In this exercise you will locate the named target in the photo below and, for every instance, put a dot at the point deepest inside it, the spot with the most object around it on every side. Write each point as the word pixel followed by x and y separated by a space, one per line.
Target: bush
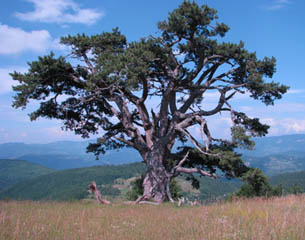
pixel 295 189
pixel 257 185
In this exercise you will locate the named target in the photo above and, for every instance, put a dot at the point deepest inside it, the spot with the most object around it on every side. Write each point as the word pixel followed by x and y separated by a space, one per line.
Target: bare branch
pixel 204 133
pixel 183 159
pixel 123 140
pixel 196 170
pixel 209 72
pixel 224 75
pixel 198 146
pixel 126 119
pixel 93 188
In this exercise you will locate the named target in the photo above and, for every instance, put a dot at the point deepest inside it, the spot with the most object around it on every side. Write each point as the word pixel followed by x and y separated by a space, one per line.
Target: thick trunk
pixel 157 180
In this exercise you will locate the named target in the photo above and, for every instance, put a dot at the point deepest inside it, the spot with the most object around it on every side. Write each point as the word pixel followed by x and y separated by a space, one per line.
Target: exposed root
pixel 149 202
pixel 141 198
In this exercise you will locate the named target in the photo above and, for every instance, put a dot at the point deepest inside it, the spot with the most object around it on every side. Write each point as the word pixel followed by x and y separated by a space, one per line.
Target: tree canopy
pixel 106 86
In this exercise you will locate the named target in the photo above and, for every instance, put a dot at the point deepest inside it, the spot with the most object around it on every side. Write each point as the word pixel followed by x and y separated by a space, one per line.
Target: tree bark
pixel 157 179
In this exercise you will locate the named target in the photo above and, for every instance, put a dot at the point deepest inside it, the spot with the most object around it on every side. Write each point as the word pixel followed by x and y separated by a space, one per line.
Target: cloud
pixel 60 11
pixel 6 81
pixel 296 91
pixel 285 125
pixel 55 133
pixel 278 4
pixel 293 125
pixel 16 40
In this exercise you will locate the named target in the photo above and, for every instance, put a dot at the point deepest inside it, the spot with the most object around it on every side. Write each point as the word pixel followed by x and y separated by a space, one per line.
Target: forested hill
pixel 13 171
pixel 113 182
pixel 288 180
pixel 73 183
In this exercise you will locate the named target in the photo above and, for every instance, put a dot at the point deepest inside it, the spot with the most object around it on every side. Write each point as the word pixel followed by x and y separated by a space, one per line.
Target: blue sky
pixel 32 28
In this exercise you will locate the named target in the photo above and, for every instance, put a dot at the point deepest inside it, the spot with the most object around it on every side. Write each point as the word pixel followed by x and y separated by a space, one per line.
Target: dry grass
pixel 277 218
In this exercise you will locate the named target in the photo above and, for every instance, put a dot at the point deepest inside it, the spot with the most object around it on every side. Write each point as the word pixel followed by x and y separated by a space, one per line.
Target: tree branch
pixel 198 146
pixel 87 61
pixel 123 140
pixel 195 170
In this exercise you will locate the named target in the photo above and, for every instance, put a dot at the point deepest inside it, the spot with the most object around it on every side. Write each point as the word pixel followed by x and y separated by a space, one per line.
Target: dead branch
pixel 97 193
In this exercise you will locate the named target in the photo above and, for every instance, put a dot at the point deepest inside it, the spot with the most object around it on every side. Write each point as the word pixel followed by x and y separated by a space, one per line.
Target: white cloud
pixel 60 11
pixel 16 40
pixel 284 126
pixel 296 91
pixel 6 81
pixel 54 133
pixel 293 125
pixel 278 4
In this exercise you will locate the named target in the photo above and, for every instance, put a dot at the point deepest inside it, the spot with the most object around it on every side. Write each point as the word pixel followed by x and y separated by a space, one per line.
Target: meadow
pixel 274 218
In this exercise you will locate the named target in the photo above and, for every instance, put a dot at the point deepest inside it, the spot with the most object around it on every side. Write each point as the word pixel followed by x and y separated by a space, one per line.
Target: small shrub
pixel 257 186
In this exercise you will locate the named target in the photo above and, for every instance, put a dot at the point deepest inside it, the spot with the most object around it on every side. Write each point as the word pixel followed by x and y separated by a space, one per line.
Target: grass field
pixel 277 218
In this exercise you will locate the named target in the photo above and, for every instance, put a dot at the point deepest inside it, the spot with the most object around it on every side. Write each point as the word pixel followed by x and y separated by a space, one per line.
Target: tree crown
pixel 110 88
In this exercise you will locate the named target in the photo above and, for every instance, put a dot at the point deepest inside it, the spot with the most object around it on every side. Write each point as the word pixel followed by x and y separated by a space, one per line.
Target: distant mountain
pixel 13 171
pixel 292 144
pixel 274 155
pixel 65 154
pixel 278 163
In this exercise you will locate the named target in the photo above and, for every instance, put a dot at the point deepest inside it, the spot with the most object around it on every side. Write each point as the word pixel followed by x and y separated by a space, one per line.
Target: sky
pixel 32 28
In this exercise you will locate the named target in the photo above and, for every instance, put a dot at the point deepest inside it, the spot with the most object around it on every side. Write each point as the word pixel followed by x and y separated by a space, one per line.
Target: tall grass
pixel 277 218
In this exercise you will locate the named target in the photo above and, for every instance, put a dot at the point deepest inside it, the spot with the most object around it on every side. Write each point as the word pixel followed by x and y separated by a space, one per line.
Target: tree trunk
pixel 157 180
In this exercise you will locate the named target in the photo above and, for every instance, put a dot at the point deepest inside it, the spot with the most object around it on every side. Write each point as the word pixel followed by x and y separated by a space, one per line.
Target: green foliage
pixel 175 189
pixel 115 63
pixel 295 189
pixel 136 189
pixel 257 185
pixel 223 157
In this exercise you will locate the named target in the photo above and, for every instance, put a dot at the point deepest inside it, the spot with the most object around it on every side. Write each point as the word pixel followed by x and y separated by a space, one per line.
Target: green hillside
pixel 13 171
pixel 287 180
pixel 113 182
pixel 277 164
pixel 73 183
